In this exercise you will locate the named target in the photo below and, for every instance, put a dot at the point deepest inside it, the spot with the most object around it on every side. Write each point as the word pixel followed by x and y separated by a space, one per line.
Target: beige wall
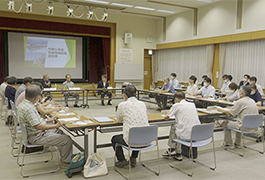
pixel 215 20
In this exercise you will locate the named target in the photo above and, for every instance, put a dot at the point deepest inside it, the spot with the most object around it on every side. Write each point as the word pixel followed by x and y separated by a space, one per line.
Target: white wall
pixel 215 20
pixel 139 26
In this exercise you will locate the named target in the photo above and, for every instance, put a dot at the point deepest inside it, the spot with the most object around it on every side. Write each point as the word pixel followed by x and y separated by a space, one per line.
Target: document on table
pixel 82 122
pixel 66 114
pixel 103 119
pixel 209 111
pixel 69 119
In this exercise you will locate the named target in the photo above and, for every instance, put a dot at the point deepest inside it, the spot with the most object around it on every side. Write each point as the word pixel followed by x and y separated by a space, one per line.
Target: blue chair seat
pixel 139 148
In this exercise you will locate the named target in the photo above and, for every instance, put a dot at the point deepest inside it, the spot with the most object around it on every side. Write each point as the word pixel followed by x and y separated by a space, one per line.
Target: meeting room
pixel 135 89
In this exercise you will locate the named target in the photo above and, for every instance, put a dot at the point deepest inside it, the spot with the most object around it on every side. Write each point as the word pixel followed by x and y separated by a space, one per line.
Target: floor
pixel 229 165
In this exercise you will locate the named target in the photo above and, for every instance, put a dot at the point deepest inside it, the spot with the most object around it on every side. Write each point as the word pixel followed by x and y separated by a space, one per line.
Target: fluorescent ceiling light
pixel 98 1
pixel 145 8
pixel 165 11
pixel 123 5
pixel 205 1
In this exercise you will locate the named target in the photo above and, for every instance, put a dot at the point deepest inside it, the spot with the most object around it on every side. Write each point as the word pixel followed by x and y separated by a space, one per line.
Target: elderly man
pixel 186 117
pixel 26 82
pixel 46 83
pixel 67 85
pixel 132 113
pixel 244 106
pixel 38 131
pixel 167 88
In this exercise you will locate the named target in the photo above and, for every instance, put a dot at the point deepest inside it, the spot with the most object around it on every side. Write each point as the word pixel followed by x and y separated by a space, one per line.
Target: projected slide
pixel 49 52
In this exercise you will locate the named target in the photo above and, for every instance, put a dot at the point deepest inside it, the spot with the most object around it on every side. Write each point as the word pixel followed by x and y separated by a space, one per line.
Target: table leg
pixel 95 140
pixel 86 143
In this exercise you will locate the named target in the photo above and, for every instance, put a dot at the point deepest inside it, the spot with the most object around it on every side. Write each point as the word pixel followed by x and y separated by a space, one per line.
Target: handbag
pixel 95 165
pixel 77 161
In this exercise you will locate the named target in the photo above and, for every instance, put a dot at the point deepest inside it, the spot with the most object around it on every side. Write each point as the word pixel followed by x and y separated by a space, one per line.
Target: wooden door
pixel 147 72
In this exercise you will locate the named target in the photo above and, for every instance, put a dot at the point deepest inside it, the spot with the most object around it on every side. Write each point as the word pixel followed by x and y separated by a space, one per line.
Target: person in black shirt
pixel 104 84
pixel 10 91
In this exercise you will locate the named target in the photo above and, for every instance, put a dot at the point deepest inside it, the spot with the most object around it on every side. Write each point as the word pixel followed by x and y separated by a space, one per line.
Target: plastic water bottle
pixel 151 88
pixel 55 86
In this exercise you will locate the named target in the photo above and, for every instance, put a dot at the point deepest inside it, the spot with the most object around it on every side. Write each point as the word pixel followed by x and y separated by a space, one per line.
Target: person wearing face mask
pixel 167 88
pixel 207 90
pixel 255 95
pixel 244 81
pixel 233 94
pixel 203 77
pixel 227 81
pixel 192 88
pixel 174 81
pixel 186 117
pixel 39 131
pixel 244 106
pixel 253 80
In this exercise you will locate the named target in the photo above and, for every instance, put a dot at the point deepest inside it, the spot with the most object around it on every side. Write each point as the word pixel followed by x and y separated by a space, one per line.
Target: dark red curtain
pixel 95 59
pixel 106 56
pixel 2 60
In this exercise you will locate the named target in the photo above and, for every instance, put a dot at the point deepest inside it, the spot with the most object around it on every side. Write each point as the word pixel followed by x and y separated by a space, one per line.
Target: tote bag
pixel 95 165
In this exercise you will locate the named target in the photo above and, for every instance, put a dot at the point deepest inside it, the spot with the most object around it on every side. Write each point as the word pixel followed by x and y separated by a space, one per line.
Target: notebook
pixel 103 119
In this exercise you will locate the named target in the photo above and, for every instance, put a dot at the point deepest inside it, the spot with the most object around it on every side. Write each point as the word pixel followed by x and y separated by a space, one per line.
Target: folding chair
pixel 199 137
pixel 139 136
pixel 25 144
pixel 250 122
pixel 4 108
pixel 15 130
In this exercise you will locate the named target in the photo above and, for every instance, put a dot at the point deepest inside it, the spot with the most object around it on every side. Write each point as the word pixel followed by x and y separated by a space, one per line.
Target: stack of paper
pixel 209 111
pixel 69 119
pixel 82 122
pixel 103 119
pixel 75 88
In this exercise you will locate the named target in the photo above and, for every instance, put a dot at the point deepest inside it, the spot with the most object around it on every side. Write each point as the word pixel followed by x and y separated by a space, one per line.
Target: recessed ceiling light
pixel 145 8
pixel 208 1
pixel 123 5
pixel 165 11
pixel 98 1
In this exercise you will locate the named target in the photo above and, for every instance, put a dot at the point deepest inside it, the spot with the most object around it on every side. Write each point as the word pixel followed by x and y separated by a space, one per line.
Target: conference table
pixel 77 130
pixel 101 89
pixel 60 91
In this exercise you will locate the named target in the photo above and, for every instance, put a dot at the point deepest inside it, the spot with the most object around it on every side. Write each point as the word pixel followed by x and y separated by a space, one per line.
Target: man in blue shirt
pixel 255 95
pixel 167 88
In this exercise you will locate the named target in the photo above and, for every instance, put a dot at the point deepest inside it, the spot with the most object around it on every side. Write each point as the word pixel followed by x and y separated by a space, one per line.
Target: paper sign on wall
pixel 125 56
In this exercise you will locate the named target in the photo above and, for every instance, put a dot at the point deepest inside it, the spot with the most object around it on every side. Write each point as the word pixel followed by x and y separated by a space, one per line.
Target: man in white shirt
pixel 207 90
pixel 227 81
pixel 244 106
pixel 174 81
pixel 186 117
pixel 253 80
pixel 132 113
pixel 3 86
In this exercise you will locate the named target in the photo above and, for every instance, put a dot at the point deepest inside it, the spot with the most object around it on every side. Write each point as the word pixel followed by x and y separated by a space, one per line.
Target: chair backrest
pixel 14 113
pixel 24 135
pixel 202 132
pixel 142 135
pixel 252 121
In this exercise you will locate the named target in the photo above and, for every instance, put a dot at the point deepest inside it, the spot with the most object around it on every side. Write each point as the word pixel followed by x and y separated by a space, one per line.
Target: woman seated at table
pixel 255 95
pixel 233 94
pixel 192 89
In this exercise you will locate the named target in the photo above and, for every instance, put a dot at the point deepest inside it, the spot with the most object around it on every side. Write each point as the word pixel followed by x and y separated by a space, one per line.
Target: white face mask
pixel 171 77
pixel 165 83
pixel 251 82
pixel 205 84
pixel 225 81
pixel 252 92
pixel 244 79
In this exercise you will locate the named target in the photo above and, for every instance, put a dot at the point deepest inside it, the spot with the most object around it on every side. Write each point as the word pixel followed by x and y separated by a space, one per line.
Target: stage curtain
pixel 2 61
pixel 106 56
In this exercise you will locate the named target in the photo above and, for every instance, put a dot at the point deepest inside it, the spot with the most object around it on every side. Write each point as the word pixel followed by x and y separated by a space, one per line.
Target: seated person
pixel 46 83
pixel 244 81
pixel 207 90
pixel 38 131
pixel 174 81
pixel 132 113
pixel 10 90
pixel 186 117
pixel 167 88
pixel 3 86
pixel 104 84
pixel 26 81
pixel 233 94
pixel 255 95
pixel 244 106
pixel 227 81
pixel 66 85
pixel 203 77
pixel 192 88
pixel 42 103
pixel 253 80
